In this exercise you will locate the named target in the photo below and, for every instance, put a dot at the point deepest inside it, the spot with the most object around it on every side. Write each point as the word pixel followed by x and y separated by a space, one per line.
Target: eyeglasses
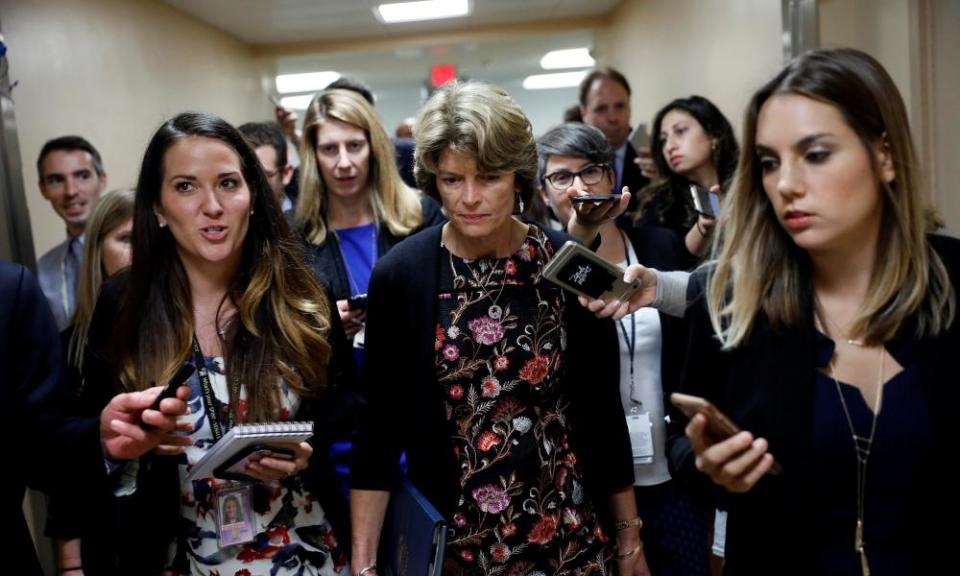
pixel 590 174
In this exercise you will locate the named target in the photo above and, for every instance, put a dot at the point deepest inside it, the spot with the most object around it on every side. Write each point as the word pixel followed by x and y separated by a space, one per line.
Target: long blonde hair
pixel 393 203
pixel 113 209
pixel 757 266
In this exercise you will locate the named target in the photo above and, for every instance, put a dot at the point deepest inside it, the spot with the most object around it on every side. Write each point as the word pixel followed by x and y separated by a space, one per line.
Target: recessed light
pixel 423 10
pixel 296 102
pixel 571 58
pixel 307 82
pixel 554 80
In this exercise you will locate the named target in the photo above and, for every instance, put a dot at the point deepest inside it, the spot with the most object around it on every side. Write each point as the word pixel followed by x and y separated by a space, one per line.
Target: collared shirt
pixel 58 278
pixel 618 157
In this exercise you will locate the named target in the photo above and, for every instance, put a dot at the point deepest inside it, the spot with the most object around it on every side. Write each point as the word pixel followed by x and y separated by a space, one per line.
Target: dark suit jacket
pixel 130 535
pixel 766 387
pixel 46 448
pixel 632 176
pixel 405 404
pixel 326 260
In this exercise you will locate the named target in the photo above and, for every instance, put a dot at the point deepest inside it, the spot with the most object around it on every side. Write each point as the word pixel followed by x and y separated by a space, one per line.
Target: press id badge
pixel 641 437
pixel 234 514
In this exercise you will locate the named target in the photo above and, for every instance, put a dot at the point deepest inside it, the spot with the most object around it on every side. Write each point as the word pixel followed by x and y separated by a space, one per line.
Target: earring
pixel 520 201
pixel 713 145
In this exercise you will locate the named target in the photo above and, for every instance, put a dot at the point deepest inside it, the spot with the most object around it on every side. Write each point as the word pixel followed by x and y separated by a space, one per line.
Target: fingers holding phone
pixel 737 463
pixel 352 318
pixel 618 309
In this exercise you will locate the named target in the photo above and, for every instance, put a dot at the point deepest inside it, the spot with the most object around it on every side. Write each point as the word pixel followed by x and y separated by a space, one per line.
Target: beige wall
pixel 945 109
pixel 112 71
pixel 674 48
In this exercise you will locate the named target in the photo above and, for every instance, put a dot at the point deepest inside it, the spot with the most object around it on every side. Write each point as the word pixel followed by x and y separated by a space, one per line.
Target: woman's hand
pixel 641 298
pixel 270 468
pixel 697 238
pixel 629 556
pixel 352 319
pixel 122 433
pixel 737 463
pixel 287 119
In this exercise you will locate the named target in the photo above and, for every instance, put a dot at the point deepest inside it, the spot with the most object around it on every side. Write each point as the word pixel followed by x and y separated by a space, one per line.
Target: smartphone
pixel 582 272
pixel 705 202
pixel 719 426
pixel 584 198
pixel 358 302
pixel 170 390
pixel 640 138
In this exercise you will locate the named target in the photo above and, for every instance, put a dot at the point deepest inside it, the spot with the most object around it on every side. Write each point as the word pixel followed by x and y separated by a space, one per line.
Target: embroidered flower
pixel 505 409
pixel 453 331
pixel 491 498
pixel 438 340
pixel 451 352
pixel 500 363
pixel 510 268
pixel 486 330
pixel 488 440
pixel 543 531
pixel 535 370
pixel 459 520
pixel 572 518
pixel 466 555
pixel 508 530
pixel 522 424
pixel 456 392
pixel 490 386
pixel 570 459
pixel 598 532
pixel 559 479
pixel 500 552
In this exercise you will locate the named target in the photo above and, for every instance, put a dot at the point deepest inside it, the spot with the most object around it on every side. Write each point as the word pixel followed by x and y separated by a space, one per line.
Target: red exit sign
pixel 440 74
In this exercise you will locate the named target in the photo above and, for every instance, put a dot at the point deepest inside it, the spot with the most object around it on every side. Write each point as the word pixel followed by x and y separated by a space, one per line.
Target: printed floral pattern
pixel 293 534
pixel 522 508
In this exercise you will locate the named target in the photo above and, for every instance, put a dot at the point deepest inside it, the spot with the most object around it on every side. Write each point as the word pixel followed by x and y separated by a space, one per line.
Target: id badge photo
pixel 234 514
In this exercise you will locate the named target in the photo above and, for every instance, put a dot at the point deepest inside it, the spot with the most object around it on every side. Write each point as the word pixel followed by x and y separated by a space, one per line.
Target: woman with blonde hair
pixel 353 207
pixel 501 390
pixel 827 332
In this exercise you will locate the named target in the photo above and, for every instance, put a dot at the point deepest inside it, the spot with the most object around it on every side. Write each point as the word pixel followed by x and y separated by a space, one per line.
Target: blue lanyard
pixel 631 339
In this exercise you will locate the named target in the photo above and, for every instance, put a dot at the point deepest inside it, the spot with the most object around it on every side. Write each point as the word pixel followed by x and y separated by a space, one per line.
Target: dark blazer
pixel 46 447
pixel 766 386
pixel 632 176
pixel 326 260
pixel 130 535
pixel 405 404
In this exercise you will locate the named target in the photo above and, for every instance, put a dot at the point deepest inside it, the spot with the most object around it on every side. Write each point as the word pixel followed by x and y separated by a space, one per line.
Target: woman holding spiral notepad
pixel 217 282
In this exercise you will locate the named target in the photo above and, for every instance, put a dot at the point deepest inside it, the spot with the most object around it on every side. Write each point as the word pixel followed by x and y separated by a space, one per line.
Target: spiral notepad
pixel 244 436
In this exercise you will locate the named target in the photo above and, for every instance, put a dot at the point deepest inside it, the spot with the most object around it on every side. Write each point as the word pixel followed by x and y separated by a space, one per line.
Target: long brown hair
pixel 283 312
pixel 758 267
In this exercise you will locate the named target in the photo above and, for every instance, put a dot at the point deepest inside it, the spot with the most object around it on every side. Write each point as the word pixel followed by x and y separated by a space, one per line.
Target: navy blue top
pixel 359 248
pixel 897 468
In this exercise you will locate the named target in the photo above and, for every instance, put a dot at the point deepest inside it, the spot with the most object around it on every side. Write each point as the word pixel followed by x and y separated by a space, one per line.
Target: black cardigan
pixel 326 260
pixel 130 535
pixel 766 386
pixel 405 404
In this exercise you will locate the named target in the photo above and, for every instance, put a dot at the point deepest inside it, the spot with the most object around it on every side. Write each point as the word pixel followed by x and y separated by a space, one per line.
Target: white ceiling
pixel 258 22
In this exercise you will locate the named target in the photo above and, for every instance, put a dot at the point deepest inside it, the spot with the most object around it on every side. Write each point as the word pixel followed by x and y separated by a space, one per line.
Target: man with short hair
pixel 270 146
pixel 71 179
pixel 605 104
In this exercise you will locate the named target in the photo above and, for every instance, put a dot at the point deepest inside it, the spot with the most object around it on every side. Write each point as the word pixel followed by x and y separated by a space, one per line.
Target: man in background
pixel 270 146
pixel 605 104
pixel 71 179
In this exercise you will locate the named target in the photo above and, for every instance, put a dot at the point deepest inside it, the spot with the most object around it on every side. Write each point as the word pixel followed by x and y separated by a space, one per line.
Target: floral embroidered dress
pixel 500 357
pixel 293 535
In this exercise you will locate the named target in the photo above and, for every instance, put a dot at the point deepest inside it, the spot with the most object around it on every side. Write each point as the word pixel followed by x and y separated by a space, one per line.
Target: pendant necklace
pixel 862 446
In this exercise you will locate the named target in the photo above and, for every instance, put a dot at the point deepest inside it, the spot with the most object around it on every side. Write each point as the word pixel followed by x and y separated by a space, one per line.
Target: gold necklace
pixel 862 446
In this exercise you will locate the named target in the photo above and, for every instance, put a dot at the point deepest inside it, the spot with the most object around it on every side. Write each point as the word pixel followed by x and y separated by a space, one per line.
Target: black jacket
pixel 766 387
pixel 326 260
pixel 405 404
pixel 130 535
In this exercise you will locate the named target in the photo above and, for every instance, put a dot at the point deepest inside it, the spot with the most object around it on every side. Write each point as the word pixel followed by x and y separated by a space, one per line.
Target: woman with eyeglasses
pixel 693 143
pixel 575 162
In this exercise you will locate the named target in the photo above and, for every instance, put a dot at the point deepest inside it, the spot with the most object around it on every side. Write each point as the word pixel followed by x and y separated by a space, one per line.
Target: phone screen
pixel 586 276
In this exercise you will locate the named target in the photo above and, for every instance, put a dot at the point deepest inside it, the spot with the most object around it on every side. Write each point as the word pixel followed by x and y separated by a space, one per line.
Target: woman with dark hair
pixel 835 359
pixel 501 389
pixel 216 280
pixel 575 159
pixel 693 143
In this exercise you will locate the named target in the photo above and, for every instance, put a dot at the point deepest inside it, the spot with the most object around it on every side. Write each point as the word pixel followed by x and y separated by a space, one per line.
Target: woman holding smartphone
pixel 216 281
pixel 501 433
pixel 693 144
pixel 837 361
pixel 353 206
pixel 574 160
